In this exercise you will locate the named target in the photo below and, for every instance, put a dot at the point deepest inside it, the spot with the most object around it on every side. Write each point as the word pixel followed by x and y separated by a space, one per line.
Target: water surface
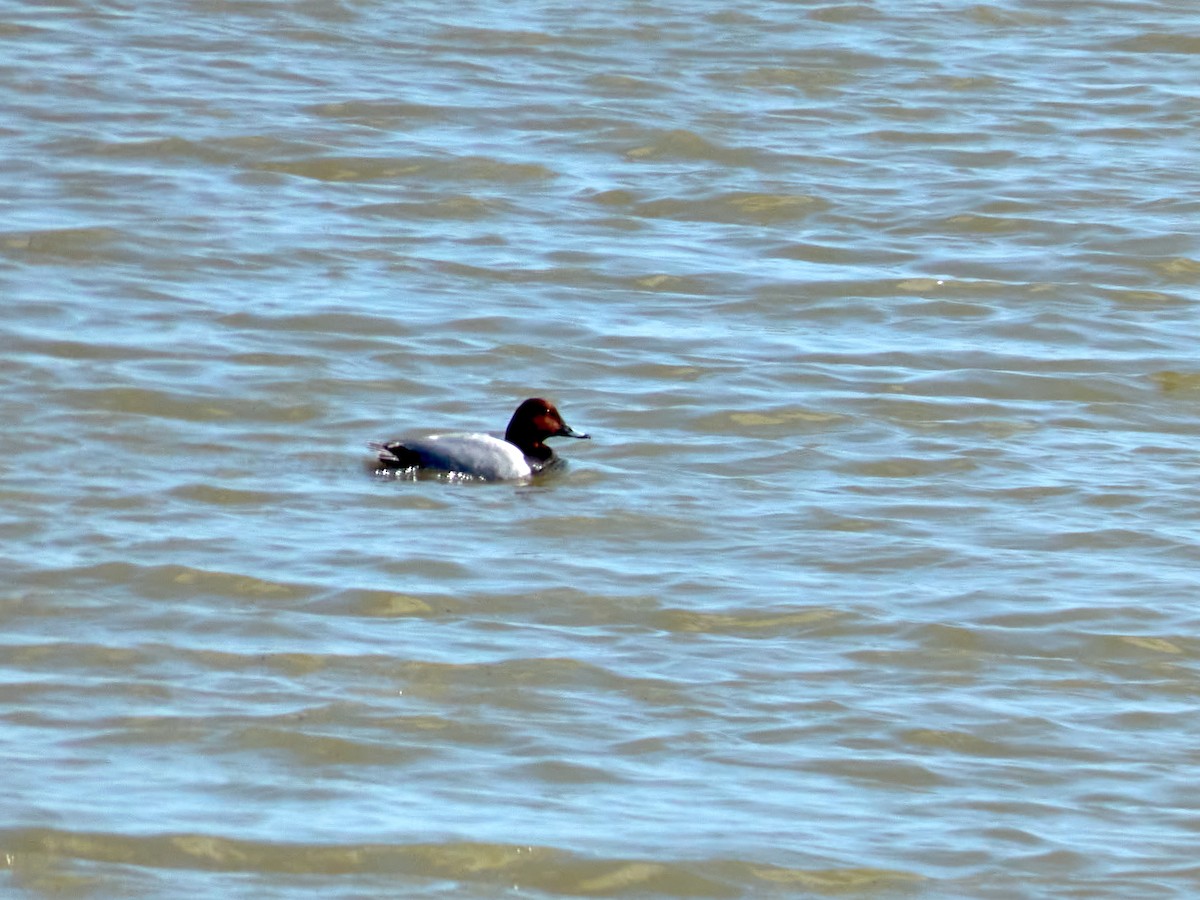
pixel 877 578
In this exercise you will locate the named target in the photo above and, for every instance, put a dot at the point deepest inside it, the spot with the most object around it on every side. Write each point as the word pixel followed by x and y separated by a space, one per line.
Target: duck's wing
pixel 476 455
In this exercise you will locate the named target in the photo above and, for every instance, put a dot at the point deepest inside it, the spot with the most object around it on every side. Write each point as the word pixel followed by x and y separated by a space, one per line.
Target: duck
pixel 522 452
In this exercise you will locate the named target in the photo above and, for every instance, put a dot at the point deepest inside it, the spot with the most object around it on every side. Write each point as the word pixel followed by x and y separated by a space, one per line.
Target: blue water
pixel 877 577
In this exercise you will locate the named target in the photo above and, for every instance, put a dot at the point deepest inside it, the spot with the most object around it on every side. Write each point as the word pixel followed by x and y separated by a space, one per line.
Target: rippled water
pixel 878 577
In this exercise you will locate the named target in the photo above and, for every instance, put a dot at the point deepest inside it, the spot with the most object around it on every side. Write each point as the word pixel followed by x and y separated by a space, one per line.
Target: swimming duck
pixel 520 454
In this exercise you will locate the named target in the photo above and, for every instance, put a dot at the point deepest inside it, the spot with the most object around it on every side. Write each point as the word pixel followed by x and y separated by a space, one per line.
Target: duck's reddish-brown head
pixel 534 421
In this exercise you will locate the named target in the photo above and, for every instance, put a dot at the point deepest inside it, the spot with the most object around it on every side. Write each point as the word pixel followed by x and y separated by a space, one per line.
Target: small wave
pixel 1159 42
pixel 176 580
pixel 460 208
pixel 752 623
pixel 84 244
pixel 735 208
pixel 682 144
pixel 185 406
pixel 508 866
pixel 394 168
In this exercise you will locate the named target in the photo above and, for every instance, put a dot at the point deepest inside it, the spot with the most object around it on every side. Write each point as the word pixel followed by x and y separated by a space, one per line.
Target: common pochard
pixel 521 453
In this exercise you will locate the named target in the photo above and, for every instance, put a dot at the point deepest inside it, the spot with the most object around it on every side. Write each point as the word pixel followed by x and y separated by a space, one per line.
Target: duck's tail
pixel 395 455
